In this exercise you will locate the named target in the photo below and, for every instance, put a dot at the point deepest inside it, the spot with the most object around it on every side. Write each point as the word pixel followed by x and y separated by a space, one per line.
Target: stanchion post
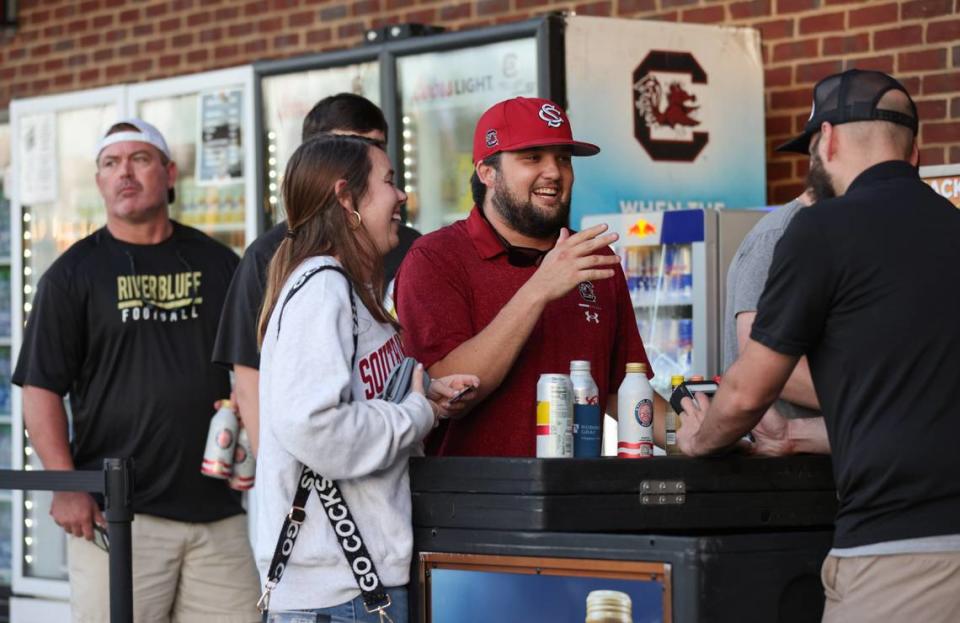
pixel 118 487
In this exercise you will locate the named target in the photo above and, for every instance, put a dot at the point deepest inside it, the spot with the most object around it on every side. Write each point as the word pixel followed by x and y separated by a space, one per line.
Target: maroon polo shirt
pixel 451 285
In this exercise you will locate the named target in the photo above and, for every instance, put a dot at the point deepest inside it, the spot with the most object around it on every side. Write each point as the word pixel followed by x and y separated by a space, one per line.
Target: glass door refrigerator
pixel 206 119
pixel 287 91
pixel 54 204
pixel 442 93
pixel 675 263
pixel 6 433
pixel 432 90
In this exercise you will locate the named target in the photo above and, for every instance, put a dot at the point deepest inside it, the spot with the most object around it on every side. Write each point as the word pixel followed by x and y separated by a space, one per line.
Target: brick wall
pixel 65 45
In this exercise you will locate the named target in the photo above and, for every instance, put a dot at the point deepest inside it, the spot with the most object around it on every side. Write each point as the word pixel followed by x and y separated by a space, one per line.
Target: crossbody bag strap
pixel 375 598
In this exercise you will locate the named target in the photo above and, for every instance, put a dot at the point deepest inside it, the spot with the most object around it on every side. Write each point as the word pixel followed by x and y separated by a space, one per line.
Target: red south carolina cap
pixel 524 122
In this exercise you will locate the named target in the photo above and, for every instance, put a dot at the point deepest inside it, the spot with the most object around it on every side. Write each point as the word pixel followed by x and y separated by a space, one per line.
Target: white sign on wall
pixel 37 157
pixel 677 110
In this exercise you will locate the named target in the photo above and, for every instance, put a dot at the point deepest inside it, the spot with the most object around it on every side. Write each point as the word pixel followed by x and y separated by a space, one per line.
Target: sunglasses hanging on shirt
pixel 521 257
pixel 151 305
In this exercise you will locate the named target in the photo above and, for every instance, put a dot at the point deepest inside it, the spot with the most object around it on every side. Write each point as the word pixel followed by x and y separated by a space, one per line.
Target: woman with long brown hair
pixel 328 347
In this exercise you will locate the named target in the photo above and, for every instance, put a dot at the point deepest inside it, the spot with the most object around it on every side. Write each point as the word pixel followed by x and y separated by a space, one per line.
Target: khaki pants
pixel 912 588
pixel 182 572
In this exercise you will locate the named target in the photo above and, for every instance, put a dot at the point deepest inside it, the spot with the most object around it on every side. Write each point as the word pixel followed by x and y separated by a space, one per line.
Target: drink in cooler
pixel 672 421
pixel 586 411
pixel 554 416
pixel 635 414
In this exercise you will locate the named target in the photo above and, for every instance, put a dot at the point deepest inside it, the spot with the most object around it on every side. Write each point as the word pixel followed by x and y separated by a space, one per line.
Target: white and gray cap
pixel 145 133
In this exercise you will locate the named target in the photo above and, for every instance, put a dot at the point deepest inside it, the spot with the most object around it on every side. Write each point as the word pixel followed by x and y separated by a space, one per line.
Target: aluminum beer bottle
pixel 587 419
pixel 221 441
pixel 554 416
pixel 635 414
pixel 244 463
pixel 609 607
pixel 672 421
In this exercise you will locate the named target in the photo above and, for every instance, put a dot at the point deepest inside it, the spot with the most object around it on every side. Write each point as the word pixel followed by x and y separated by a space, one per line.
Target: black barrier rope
pixel 115 483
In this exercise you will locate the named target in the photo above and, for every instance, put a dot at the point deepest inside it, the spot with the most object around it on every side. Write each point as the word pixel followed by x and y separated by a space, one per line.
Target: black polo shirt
pixel 866 285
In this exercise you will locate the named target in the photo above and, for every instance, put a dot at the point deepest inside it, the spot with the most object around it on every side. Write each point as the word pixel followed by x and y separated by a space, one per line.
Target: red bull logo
pixel 642 228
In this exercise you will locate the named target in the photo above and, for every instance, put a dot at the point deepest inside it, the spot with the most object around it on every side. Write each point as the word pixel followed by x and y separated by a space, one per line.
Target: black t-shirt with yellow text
pixel 127 330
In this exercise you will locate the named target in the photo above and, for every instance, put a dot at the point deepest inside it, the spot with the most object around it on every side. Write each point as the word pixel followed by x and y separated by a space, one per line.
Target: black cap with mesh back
pixel 851 96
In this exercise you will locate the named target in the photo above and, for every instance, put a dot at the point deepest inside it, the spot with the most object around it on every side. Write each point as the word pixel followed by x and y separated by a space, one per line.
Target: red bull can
pixel 554 416
pixel 244 463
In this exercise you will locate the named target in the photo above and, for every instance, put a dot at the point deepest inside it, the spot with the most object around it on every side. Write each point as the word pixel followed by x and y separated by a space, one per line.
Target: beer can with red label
pixel 221 442
pixel 554 416
pixel 635 414
pixel 244 463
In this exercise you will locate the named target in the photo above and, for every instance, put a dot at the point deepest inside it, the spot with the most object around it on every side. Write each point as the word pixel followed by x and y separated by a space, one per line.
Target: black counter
pixel 726 539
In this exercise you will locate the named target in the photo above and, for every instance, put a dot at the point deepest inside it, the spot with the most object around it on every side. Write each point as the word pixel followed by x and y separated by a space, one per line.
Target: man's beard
pixel 818 180
pixel 525 218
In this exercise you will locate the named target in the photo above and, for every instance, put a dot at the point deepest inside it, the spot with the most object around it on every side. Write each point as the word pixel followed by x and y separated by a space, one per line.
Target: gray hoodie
pixel 307 416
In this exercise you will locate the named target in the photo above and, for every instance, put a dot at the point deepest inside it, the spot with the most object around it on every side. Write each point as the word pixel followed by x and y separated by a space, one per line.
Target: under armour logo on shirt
pixel 592 316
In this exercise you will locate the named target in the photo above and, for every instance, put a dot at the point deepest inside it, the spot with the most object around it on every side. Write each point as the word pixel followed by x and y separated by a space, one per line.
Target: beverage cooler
pixel 55 203
pixel 432 91
pixel 287 90
pixel 6 433
pixel 676 265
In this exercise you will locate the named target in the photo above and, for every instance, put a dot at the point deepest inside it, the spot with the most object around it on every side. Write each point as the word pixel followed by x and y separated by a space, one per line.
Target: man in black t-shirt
pixel 236 345
pixel 863 283
pixel 124 321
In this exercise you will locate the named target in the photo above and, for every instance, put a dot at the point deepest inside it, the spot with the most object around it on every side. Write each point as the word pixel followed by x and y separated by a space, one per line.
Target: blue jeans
pixel 350 612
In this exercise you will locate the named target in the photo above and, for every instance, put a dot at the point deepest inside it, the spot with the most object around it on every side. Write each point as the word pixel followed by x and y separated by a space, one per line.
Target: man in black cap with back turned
pixel 863 284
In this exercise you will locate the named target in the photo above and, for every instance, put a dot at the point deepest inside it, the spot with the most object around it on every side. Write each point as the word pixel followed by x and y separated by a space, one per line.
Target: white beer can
pixel 221 442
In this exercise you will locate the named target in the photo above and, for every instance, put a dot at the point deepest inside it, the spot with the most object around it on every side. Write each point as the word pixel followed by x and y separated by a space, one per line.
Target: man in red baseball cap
pixel 510 292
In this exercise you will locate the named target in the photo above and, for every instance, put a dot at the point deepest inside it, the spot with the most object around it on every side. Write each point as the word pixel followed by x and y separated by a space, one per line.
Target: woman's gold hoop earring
pixel 359 220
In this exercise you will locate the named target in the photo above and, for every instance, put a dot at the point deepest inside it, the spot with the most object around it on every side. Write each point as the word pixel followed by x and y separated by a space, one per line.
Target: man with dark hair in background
pixel 124 321
pixel 863 284
pixel 236 345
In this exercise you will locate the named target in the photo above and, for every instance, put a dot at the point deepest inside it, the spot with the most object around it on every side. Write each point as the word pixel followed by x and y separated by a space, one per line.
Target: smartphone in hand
pixel 101 538
pixel 460 394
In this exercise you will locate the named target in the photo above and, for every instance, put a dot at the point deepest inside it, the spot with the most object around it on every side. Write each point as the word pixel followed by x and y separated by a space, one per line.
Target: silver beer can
pixel 244 463
pixel 587 418
pixel 221 442
pixel 554 416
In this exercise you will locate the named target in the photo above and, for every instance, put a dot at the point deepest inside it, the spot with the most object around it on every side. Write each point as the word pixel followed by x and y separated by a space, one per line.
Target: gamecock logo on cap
pixel 662 120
